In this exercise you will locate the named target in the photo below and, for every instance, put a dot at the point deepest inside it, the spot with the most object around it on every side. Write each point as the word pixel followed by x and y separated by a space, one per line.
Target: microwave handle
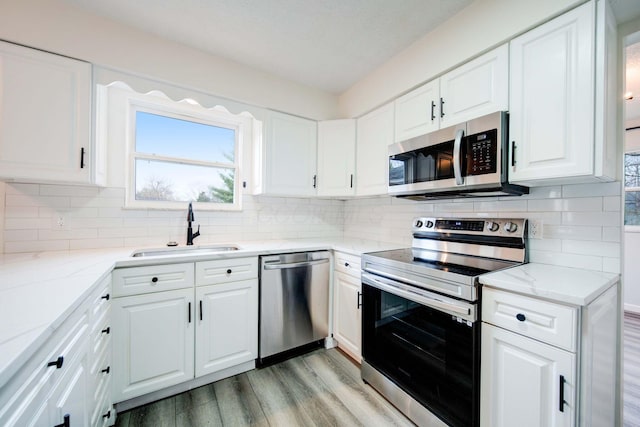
pixel 457 159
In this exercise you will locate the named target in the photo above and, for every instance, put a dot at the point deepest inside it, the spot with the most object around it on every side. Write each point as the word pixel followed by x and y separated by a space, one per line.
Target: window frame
pixel 190 111
pixel 631 227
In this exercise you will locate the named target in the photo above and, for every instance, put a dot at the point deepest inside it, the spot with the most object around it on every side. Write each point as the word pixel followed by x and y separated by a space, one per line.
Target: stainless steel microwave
pixel 465 160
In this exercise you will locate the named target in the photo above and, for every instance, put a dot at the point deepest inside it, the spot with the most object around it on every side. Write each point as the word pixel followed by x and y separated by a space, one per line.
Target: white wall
pixel 60 27
pixel 479 27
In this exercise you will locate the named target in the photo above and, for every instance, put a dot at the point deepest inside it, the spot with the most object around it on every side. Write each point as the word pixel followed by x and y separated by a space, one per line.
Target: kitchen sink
pixel 184 250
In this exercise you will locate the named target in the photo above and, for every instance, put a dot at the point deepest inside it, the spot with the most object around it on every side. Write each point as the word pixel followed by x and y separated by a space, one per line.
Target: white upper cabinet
pixel 290 156
pixel 479 87
pixel 417 112
pixel 336 157
pixel 553 99
pixel 45 117
pixel 374 135
pixel 474 89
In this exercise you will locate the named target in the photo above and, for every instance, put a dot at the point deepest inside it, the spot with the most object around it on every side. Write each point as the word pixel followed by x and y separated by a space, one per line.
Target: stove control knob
pixel 510 227
pixel 429 224
pixel 418 223
pixel 493 226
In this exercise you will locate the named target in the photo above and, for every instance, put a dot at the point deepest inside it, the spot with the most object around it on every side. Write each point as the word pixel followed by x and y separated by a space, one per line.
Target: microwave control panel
pixel 482 153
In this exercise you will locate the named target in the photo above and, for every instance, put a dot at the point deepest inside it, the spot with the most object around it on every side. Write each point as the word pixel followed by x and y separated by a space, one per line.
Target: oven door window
pixel 428 353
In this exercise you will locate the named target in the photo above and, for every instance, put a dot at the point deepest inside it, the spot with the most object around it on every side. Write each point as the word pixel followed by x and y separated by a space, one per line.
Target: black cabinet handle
pixel 66 422
pixel 82 158
pixel 107 415
pixel 105 297
pixel 441 107
pixel 351 180
pixel 346 264
pixel 106 370
pixel 433 111
pixel 315 180
pixel 106 330
pixel 57 363
pixel 200 309
pixel 189 312
pixel 561 400
pixel 229 271
pixel 521 317
pixel 154 279
pixel 513 153
pixel 359 300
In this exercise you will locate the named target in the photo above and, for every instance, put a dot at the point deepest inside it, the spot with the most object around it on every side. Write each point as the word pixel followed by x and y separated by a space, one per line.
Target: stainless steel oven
pixel 420 318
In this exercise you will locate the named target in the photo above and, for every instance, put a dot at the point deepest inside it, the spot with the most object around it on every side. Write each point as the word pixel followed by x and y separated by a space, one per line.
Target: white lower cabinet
pixel 347 290
pixel 169 338
pixel 153 342
pixel 227 325
pixel 548 364
pixel 521 381
pixel 55 386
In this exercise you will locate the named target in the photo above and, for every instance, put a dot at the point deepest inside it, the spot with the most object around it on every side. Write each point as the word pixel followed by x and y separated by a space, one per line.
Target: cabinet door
pixel 551 102
pixel 479 87
pixel 227 332
pixel 375 134
pixel 45 116
pixel 348 324
pixel 72 395
pixel 520 381
pixel 418 112
pixel 290 156
pixel 153 338
pixel 336 157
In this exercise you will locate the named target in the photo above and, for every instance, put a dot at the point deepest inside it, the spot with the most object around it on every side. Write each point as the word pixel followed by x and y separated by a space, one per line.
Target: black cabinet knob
pixel 106 330
pixel 229 271
pixel 521 317
pixel 154 280
pixel 57 363
pixel 106 370
pixel 346 264
pixel 105 297
pixel 107 415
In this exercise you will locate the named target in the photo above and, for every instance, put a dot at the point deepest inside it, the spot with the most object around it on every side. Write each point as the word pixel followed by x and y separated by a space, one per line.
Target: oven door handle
pixel 423 298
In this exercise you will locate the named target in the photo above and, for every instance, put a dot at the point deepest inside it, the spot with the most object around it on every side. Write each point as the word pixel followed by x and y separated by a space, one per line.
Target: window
pixel 632 188
pixel 180 153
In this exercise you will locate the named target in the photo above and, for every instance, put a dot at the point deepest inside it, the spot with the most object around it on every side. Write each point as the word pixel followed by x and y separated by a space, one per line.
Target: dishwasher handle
pixel 281 266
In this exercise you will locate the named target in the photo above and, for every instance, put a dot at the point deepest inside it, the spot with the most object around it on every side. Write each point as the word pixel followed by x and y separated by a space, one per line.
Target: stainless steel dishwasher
pixel 294 302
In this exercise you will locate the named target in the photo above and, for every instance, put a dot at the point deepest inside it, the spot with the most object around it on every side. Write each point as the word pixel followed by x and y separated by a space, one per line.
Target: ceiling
pixel 328 45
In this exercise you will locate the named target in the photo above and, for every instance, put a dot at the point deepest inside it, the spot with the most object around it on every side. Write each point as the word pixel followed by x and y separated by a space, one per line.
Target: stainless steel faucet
pixel 190 234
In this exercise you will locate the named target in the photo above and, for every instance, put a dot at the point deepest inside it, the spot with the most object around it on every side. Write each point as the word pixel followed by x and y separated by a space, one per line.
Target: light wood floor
pixel 322 388
pixel 631 393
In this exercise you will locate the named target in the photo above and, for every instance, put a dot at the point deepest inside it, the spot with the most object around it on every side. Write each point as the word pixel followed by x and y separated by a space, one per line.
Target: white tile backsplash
pixel 581 223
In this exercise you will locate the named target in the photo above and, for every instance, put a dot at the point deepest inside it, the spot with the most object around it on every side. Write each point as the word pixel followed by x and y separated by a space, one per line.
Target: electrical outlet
pixel 535 229
pixel 60 222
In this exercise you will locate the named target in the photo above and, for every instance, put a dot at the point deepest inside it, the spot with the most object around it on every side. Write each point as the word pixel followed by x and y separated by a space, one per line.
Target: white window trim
pixel 185 110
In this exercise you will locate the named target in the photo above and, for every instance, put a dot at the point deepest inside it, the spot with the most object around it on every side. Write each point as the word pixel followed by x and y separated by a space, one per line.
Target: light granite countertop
pixel 559 284
pixel 38 291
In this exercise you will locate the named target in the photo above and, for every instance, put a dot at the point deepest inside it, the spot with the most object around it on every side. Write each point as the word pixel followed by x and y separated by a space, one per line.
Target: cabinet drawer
pixel 348 264
pixel 226 270
pixel 154 278
pixel 100 334
pixel 100 300
pixel 552 323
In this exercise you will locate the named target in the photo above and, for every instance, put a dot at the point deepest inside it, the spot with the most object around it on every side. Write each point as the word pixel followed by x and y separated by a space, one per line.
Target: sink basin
pixel 184 250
